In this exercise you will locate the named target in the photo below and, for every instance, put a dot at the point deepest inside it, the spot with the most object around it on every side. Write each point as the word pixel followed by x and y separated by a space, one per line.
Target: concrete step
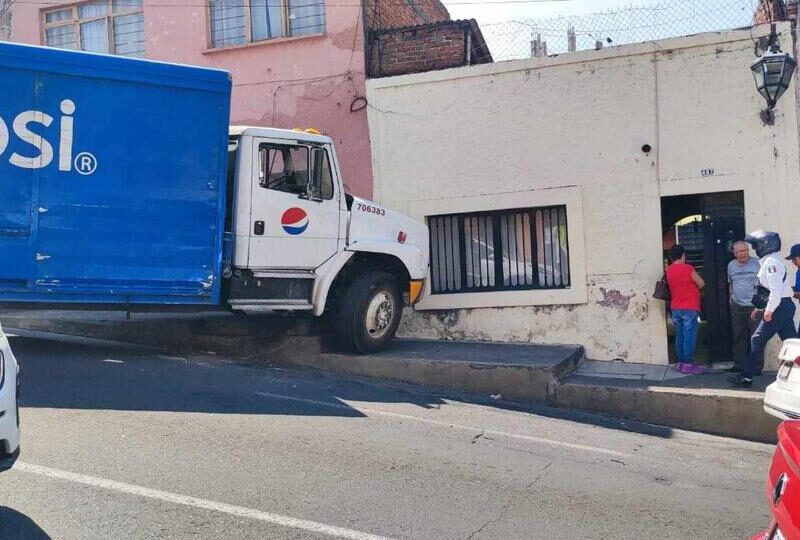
pixel 703 403
pixel 509 371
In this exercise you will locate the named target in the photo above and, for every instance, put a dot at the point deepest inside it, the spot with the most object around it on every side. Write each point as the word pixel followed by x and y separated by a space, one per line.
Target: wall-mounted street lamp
pixel 773 72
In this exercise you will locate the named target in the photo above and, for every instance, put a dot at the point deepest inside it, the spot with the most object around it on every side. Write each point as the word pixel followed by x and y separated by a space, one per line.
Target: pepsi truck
pixel 122 186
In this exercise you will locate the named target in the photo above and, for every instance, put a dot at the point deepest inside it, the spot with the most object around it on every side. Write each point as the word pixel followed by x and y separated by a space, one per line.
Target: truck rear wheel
pixel 370 312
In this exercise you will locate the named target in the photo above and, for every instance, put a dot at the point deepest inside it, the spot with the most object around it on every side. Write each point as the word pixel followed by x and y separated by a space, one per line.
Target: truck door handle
pixel 258 228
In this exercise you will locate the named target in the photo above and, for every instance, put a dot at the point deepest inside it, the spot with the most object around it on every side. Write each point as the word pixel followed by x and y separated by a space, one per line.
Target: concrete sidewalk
pixel 556 375
pixel 661 395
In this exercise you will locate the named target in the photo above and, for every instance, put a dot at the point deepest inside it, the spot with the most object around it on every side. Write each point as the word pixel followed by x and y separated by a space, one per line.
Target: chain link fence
pixel 523 38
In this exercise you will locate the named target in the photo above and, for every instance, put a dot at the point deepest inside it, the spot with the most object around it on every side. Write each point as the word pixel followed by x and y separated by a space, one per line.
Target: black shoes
pixel 740 380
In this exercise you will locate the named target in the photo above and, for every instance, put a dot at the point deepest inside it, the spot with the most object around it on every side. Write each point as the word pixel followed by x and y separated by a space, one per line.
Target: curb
pixel 511 381
pixel 729 413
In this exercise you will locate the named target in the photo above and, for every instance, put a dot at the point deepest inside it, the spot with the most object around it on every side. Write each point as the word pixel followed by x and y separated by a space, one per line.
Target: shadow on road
pixel 19 526
pixel 75 376
pixel 63 375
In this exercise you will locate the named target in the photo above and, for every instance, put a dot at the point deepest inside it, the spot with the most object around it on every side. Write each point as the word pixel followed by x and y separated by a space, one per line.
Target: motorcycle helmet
pixel 764 242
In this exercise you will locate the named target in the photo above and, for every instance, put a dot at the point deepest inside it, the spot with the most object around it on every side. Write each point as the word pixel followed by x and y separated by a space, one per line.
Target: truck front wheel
pixel 370 312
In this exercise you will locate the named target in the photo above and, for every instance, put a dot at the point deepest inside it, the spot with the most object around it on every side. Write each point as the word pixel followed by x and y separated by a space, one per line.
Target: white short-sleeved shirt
pixel 772 275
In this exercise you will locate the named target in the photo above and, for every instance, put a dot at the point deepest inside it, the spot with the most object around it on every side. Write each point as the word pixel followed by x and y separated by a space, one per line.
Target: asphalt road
pixel 129 443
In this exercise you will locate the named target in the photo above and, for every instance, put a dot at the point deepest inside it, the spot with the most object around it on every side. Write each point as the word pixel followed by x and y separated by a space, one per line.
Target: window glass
pixel 515 234
pixel 62 37
pixel 60 15
pixel 107 26
pixel 92 9
pixel 227 23
pixel 129 34
pixel 121 6
pixel 445 254
pixel 266 19
pixel 323 178
pixel 284 168
pixel 504 250
pixel 306 17
pixel 94 36
pixel 552 254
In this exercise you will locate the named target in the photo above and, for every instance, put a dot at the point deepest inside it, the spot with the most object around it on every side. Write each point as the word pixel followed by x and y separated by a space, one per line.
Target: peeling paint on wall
pixel 614 299
pixel 609 326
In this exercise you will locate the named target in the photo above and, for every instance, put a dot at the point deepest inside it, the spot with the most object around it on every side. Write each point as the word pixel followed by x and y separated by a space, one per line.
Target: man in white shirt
pixel 779 310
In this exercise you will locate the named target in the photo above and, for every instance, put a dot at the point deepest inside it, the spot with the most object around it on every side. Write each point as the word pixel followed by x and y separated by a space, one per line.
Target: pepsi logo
pixel 294 221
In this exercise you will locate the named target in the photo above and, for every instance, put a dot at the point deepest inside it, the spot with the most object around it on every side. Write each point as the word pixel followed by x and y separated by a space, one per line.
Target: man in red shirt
pixel 684 288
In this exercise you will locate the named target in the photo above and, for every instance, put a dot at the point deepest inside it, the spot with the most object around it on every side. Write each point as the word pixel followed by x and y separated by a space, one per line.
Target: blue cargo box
pixel 112 179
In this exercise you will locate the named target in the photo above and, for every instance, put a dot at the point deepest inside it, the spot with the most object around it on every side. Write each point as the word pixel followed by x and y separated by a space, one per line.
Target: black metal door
pixel 723 221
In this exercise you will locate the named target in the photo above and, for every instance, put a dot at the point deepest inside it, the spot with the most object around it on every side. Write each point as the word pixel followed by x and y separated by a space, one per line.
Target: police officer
pixel 775 295
pixel 794 256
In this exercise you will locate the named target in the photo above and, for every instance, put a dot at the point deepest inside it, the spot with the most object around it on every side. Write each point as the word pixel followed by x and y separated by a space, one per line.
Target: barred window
pixel 234 22
pixel 516 249
pixel 104 26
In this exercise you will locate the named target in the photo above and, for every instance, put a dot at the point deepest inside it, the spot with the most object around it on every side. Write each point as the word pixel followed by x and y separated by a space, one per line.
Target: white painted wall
pixel 571 129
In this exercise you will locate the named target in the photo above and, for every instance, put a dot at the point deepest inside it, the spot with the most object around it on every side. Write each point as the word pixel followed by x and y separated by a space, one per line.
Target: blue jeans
pixel 782 323
pixel 685 334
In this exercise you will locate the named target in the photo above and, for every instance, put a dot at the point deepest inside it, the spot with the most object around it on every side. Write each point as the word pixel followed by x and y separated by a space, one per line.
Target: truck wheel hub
pixel 379 315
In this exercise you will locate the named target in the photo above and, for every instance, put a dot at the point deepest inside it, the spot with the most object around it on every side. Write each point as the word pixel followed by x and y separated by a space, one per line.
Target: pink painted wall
pixel 284 83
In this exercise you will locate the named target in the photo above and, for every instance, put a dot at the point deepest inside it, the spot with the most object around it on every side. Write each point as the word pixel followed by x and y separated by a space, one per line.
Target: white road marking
pixel 504 434
pixel 175 498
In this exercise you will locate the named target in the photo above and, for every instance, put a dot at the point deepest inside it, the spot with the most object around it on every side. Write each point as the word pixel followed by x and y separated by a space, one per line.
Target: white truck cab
pixel 298 242
pixel 9 405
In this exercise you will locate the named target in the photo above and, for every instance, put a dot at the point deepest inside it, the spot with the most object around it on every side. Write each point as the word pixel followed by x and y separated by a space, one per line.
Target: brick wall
pixel 424 48
pixel 417 50
pixel 771 10
pixel 384 14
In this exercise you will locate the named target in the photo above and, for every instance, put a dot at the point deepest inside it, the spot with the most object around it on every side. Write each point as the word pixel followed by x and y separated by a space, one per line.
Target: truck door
pixel 294 217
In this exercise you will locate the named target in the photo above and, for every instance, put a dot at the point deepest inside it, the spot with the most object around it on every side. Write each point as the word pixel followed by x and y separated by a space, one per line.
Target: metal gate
pixel 723 223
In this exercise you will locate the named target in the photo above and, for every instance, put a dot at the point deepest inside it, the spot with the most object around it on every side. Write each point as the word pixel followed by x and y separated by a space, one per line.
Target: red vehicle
pixel 783 486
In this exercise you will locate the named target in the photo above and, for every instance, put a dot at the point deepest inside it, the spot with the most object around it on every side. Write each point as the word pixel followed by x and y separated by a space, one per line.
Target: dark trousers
pixel 743 328
pixel 782 323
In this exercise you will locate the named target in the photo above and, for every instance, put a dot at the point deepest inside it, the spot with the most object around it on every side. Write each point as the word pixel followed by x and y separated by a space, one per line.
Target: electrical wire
pixel 331 4
pixel 347 74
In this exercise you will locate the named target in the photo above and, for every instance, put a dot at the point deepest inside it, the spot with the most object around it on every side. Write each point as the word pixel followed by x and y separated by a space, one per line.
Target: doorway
pixel 706 225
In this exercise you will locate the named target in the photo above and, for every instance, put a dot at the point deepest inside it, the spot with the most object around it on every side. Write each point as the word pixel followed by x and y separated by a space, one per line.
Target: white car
pixel 782 398
pixel 9 405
